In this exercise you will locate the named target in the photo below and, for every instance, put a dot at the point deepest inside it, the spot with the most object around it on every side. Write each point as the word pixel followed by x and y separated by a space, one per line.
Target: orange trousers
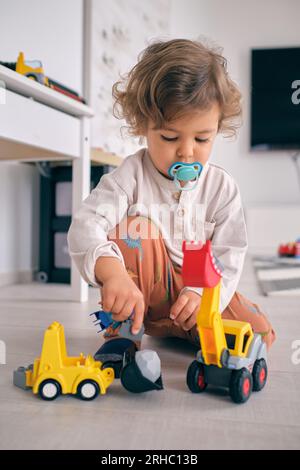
pixel 149 265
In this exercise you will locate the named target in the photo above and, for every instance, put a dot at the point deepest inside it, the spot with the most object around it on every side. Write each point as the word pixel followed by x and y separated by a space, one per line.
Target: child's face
pixel 190 139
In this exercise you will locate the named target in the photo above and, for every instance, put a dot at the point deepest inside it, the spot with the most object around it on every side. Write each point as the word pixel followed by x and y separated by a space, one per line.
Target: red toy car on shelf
pixel 292 249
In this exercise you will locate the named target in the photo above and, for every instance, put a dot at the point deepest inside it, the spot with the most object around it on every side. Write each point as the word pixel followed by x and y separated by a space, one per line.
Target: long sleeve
pixel 101 211
pixel 229 240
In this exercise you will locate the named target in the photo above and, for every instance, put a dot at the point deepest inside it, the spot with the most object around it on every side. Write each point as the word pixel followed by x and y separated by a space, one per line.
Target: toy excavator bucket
pixel 199 268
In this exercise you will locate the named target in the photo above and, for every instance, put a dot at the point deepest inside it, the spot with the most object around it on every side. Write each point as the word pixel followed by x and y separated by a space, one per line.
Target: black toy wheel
pixel 259 374
pixel 31 76
pixel 195 377
pixel 88 390
pixel 240 385
pixel 49 389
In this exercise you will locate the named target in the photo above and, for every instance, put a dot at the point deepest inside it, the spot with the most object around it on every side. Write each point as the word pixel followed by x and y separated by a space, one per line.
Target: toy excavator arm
pixel 200 269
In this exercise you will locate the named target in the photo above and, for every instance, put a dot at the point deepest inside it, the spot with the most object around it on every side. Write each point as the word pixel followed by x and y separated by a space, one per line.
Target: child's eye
pixel 168 139
pixel 172 139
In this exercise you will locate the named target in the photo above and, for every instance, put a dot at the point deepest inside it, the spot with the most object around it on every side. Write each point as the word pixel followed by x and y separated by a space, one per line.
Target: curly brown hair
pixel 172 78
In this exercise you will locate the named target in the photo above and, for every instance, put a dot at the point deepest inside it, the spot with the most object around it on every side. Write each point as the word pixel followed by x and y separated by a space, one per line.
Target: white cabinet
pixel 31 123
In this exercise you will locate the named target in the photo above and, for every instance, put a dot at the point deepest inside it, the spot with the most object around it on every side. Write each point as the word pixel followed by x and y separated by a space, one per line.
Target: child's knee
pixel 135 228
pixel 263 327
pixel 268 336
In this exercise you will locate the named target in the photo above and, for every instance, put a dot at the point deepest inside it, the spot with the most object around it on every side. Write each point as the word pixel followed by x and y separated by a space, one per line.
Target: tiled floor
pixel 170 419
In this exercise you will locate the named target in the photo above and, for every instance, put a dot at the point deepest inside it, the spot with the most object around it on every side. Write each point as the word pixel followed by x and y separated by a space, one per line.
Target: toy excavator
pixel 231 355
pixel 54 372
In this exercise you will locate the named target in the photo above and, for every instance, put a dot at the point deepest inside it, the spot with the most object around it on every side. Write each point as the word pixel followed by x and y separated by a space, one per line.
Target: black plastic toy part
pixel 111 354
pixel 132 378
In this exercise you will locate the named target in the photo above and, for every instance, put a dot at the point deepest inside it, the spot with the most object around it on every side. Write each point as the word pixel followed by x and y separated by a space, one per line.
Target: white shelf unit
pixel 38 123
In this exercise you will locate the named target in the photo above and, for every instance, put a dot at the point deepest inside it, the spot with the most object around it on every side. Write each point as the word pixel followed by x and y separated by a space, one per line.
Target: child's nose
pixel 186 153
pixel 186 159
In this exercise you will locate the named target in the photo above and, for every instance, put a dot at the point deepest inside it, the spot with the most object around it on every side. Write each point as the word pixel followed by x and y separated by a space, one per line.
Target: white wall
pixel 52 32
pixel 118 34
pixel 238 26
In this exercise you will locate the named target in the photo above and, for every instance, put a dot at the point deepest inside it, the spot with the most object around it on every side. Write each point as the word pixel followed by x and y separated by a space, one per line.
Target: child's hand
pixel 184 310
pixel 121 296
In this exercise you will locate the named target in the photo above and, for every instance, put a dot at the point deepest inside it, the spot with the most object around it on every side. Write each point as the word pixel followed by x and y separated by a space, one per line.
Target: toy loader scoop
pixel 231 355
pixel 199 265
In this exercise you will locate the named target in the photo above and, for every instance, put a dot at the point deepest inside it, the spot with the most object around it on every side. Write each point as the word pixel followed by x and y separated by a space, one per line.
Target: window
pixel 230 339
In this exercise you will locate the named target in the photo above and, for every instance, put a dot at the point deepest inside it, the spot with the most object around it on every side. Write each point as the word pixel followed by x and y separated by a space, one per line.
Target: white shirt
pixel 212 210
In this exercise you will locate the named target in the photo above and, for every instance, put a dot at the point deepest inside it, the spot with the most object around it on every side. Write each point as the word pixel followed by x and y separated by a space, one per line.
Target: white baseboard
pixel 16 277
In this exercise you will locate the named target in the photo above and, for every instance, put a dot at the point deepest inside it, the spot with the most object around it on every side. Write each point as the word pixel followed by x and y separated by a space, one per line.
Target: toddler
pixel 127 236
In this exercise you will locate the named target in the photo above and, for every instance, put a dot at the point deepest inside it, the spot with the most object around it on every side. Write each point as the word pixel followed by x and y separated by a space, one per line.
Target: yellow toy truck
pixel 231 355
pixel 55 373
pixel 33 69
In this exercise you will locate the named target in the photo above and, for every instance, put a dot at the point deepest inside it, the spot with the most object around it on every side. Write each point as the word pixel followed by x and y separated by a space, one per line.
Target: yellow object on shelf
pixel 32 69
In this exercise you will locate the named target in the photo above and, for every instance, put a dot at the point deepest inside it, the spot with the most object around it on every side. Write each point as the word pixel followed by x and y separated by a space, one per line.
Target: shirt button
pixel 181 212
pixel 176 196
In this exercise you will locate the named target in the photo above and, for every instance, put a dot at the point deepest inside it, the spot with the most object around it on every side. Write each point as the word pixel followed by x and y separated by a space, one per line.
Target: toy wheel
pixel 259 374
pixel 195 377
pixel 240 385
pixel 31 76
pixel 49 389
pixel 88 390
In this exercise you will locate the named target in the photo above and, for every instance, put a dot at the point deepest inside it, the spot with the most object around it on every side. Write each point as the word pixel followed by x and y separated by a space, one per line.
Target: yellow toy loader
pixel 55 373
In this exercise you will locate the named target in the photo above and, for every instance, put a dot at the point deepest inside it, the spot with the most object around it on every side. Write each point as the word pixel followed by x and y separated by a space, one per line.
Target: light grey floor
pixel 170 419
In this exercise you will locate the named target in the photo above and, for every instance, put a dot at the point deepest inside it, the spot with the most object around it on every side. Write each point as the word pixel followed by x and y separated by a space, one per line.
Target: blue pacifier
pixel 185 172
